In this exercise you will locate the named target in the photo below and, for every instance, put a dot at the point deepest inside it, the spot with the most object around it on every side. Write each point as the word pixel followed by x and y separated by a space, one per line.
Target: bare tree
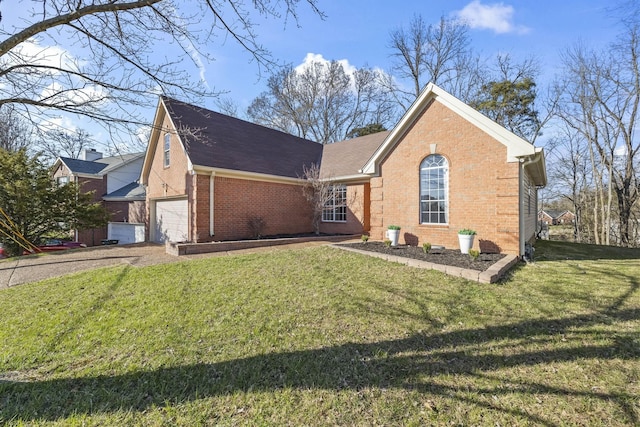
pixel 65 143
pixel 116 70
pixel 438 53
pixel 322 102
pixel 602 100
pixel 571 177
pixel 15 132
pixel 317 191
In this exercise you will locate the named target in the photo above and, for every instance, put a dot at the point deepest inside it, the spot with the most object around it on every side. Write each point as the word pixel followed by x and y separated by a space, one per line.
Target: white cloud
pixel 317 57
pixel 32 53
pixel 496 17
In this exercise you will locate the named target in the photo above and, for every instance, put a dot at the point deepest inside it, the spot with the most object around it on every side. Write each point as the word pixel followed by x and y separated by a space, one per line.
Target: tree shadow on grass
pixel 553 250
pixel 411 363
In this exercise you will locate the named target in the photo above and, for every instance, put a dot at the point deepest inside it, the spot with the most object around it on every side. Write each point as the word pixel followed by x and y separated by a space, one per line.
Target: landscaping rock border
pixel 490 275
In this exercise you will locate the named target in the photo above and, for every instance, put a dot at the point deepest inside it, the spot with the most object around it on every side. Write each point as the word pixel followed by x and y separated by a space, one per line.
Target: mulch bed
pixel 451 257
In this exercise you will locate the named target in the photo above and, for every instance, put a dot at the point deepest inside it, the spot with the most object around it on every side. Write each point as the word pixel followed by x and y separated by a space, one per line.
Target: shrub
pixel 474 254
pixel 364 238
pixel 394 227
pixel 387 243
pixel 426 247
pixel 256 226
pixel 467 231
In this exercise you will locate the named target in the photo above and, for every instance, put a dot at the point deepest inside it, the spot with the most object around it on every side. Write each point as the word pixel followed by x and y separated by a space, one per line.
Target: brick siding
pixel 483 187
pixel 281 206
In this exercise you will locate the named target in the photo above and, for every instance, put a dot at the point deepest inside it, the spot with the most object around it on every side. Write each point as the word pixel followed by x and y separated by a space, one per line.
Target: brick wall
pixel 483 187
pixel 127 211
pixel 281 206
pixel 358 205
pixel 94 236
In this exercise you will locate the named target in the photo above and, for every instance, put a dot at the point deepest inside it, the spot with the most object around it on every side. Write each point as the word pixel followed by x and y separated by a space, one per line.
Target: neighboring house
pixel 556 217
pixel 444 167
pixel 114 182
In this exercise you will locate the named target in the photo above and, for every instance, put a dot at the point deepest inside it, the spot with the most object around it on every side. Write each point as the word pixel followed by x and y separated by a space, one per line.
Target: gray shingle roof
pixel 215 140
pixel 99 166
pixel 83 166
pixel 133 191
pixel 345 158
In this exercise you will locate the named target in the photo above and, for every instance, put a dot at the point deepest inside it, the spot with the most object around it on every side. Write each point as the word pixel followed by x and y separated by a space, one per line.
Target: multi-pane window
pixel 167 149
pixel 335 209
pixel 62 180
pixel 434 183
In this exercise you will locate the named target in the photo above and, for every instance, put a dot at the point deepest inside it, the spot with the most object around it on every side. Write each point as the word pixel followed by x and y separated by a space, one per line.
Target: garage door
pixel 125 232
pixel 171 221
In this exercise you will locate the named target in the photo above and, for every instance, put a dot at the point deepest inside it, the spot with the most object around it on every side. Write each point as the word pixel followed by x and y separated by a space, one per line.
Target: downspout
pixel 521 215
pixel 211 204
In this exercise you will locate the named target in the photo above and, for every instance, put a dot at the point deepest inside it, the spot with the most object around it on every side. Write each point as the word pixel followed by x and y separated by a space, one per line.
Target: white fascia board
pixel 349 179
pixel 251 176
pixel 161 110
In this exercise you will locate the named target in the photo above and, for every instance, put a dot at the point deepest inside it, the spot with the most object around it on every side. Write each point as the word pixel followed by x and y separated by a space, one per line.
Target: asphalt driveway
pixel 26 269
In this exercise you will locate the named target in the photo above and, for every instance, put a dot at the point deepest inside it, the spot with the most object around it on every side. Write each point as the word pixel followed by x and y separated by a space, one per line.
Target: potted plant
pixel 393 233
pixel 465 238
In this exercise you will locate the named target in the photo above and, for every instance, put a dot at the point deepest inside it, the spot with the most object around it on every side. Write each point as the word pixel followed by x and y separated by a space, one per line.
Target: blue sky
pixel 358 31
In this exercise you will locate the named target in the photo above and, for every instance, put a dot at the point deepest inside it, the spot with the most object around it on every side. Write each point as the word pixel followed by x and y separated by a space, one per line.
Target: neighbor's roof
pixel 131 191
pixel 99 166
pixel 214 140
pixel 346 158
pixel 82 166
pixel 555 213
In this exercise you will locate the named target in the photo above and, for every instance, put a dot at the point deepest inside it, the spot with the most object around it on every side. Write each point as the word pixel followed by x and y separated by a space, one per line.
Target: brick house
pixel 443 167
pixel 556 217
pixel 113 181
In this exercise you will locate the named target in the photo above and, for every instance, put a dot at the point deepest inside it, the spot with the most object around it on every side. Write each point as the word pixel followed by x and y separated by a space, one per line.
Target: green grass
pixel 325 337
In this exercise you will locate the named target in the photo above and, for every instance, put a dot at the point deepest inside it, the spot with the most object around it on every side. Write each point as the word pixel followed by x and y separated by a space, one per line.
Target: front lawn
pixel 325 337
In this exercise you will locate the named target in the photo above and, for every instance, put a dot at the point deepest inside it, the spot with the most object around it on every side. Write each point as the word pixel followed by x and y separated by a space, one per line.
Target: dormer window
pixel 167 149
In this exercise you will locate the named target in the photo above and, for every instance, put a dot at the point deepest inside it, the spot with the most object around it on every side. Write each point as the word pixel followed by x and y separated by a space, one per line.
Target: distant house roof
pixel 130 192
pixel 555 213
pixel 215 140
pixel 346 158
pixel 83 166
pixel 97 167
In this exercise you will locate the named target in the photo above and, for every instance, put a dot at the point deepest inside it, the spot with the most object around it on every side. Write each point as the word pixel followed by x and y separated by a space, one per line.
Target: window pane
pixel 433 189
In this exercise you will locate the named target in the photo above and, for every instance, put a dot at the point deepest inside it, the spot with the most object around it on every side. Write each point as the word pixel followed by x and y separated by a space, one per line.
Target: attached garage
pixel 126 232
pixel 171 221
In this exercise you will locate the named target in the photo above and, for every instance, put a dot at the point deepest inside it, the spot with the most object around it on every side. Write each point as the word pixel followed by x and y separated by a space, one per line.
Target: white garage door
pixel 171 221
pixel 125 232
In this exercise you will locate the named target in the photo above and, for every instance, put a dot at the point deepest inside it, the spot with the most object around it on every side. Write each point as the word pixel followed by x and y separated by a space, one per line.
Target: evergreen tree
pixel 37 206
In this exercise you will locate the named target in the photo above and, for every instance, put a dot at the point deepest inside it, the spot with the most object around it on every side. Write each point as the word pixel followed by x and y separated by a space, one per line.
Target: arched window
pixel 434 190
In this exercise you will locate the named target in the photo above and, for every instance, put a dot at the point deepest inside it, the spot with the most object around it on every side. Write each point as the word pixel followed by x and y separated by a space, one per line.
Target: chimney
pixel 90 154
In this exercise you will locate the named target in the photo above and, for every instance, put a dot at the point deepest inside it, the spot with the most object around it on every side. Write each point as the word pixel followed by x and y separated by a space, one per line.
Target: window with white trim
pixel 434 189
pixel 62 180
pixel 167 149
pixel 335 209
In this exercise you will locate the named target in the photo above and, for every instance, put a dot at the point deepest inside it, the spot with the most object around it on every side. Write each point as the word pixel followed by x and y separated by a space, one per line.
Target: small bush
pixel 387 243
pixel 426 247
pixel 364 238
pixel 467 231
pixel 474 254
pixel 256 226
